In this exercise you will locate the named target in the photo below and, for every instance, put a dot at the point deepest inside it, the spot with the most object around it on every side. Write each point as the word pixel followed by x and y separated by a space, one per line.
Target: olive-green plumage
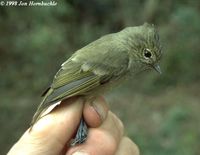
pixel 103 62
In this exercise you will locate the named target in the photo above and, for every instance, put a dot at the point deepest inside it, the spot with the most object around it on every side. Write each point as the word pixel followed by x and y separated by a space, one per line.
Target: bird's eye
pixel 147 53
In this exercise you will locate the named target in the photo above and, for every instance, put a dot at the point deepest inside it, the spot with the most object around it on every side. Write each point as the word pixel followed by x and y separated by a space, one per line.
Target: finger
pixel 127 147
pixel 113 126
pixel 103 140
pixel 51 132
pixel 95 112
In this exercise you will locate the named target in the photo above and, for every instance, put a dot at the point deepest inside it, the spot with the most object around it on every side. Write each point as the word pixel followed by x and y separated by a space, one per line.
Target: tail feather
pixel 41 110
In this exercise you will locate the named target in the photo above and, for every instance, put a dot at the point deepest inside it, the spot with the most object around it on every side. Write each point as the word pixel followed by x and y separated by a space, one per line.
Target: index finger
pixel 51 131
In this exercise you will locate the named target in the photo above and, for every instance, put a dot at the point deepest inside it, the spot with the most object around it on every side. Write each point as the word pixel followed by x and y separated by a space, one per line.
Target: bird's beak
pixel 157 68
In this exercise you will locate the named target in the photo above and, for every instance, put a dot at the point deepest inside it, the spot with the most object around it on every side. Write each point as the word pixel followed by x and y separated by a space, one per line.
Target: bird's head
pixel 144 46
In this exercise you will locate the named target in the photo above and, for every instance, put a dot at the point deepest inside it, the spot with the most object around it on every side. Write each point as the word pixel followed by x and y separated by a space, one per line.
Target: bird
pixel 99 65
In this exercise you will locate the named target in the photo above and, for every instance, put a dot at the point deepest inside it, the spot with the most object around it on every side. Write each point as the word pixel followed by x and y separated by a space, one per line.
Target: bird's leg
pixel 81 133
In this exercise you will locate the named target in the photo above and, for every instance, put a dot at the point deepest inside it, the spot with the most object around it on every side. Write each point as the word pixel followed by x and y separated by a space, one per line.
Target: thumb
pixel 51 133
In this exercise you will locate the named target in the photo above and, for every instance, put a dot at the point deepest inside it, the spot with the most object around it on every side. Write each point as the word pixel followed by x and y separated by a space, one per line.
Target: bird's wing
pixel 87 69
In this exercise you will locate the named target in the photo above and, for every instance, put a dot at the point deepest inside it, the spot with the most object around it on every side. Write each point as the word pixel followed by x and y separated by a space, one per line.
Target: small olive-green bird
pixel 101 64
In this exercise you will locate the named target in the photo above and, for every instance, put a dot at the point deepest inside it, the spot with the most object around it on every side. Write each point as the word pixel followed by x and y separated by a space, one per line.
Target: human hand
pixel 51 135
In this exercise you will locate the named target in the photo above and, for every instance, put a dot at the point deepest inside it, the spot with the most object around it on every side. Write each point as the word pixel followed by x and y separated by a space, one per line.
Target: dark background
pixel 160 113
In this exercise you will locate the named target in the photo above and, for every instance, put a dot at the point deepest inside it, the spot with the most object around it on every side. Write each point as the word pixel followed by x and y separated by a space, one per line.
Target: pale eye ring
pixel 147 53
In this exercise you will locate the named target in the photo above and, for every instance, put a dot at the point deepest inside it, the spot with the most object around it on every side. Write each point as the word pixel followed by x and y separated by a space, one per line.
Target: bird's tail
pixel 42 109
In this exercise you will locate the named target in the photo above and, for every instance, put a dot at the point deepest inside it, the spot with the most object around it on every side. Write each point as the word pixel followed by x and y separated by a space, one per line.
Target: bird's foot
pixel 81 134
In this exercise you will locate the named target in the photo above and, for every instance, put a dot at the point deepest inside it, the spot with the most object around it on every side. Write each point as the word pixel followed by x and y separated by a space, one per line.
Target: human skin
pixel 52 133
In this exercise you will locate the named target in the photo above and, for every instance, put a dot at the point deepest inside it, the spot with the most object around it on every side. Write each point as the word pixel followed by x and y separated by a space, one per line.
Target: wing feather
pixel 73 88
pixel 88 68
pixel 78 87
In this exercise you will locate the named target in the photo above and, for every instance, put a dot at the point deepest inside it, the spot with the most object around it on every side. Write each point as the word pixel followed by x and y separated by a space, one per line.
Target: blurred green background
pixel 160 113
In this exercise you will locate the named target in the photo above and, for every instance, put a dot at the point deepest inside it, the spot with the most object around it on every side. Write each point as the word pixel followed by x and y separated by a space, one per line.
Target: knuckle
pixel 118 123
pixel 103 143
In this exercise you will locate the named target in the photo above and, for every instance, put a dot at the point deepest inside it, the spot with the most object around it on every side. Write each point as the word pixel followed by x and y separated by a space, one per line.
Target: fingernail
pixel 80 153
pixel 99 108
